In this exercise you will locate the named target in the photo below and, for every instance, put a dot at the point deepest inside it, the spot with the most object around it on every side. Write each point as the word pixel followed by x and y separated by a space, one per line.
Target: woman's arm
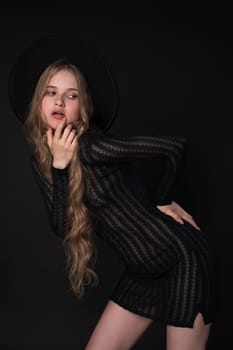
pixel 62 144
pixel 104 148
pixel 55 196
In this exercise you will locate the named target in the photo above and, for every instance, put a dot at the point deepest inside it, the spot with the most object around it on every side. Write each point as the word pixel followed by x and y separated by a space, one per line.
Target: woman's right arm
pixel 63 144
pixel 55 196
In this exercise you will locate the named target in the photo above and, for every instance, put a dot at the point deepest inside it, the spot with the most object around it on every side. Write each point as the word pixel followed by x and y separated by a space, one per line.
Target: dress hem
pixel 166 321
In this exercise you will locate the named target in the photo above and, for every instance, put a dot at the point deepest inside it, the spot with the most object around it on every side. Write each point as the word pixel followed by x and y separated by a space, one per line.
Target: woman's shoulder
pixel 86 140
pixel 91 133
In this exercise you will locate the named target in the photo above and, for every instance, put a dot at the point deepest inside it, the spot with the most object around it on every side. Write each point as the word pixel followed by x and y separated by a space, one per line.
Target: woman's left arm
pixel 179 214
pixel 110 148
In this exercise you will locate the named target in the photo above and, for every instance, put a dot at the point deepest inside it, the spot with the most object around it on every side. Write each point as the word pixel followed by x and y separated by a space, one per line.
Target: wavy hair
pixel 78 242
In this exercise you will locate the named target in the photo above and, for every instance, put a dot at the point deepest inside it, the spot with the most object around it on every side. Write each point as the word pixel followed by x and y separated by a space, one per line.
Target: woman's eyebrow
pixel 55 87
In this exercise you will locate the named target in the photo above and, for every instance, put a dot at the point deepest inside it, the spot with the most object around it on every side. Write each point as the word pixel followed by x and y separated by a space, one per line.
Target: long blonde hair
pixel 78 242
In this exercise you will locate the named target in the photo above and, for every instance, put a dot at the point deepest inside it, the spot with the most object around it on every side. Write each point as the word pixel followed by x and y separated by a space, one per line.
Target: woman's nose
pixel 59 102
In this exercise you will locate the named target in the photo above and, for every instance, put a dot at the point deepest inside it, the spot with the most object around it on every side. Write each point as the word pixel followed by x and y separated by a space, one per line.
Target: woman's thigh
pixel 117 329
pixel 184 338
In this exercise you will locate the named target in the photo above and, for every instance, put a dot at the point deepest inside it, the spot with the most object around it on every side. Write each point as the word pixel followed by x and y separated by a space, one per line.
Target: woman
pixel 88 187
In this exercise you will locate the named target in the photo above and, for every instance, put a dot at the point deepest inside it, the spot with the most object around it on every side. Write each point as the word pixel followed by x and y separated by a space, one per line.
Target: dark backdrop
pixel 173 67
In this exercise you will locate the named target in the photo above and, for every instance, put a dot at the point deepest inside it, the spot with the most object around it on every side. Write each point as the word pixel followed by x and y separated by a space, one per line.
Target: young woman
pixel 86 180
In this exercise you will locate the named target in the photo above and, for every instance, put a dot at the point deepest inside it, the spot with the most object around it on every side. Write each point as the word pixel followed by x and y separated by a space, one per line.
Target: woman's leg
pixel 182 338
pixel 117 329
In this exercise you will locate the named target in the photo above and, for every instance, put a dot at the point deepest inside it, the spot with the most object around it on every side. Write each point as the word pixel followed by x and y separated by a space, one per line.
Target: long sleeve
pixel 110 148
pixel 54 195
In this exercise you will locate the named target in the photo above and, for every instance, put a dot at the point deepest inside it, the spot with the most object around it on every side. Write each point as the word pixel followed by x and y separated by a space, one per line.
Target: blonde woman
pixel 88 187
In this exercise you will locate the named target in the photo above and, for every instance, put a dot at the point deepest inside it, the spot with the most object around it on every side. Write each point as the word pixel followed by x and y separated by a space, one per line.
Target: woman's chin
pixel 53 124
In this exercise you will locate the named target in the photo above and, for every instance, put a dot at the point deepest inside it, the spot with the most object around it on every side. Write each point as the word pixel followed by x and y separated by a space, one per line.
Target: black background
pixel 173 69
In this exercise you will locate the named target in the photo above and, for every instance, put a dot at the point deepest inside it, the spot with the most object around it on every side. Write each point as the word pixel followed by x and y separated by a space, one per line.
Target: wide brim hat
pixel 32 61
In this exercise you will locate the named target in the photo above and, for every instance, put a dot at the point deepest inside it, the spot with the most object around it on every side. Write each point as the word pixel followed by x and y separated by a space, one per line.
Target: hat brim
pixel 31 63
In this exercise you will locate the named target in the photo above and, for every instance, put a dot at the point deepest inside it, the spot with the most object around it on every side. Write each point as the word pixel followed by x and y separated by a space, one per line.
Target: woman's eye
pixel 50 93
pixel 53 93
pixel 72 96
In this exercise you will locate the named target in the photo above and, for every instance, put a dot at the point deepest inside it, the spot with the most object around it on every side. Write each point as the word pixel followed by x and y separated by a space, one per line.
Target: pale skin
pixel 117 328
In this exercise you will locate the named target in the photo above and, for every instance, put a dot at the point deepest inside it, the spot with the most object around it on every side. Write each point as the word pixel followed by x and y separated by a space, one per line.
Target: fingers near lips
pixel 63 130
pixel 68 133
pixel 59 128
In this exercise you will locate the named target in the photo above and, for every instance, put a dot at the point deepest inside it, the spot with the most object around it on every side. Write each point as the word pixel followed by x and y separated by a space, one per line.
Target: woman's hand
pixel 177 213
pixel 62 144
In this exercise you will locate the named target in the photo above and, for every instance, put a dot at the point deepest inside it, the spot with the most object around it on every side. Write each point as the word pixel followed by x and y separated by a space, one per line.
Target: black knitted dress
pixel 168 273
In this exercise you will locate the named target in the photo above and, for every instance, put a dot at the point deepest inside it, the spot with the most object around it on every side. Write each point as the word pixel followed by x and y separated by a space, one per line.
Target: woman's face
pixel 60 99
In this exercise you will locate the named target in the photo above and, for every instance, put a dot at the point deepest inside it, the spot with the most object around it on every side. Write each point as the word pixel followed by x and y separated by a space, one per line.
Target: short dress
pixel 168 273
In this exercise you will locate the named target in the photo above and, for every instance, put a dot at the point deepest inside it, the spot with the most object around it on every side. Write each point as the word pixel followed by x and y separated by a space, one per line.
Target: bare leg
pixel 117 329
pixel 182 338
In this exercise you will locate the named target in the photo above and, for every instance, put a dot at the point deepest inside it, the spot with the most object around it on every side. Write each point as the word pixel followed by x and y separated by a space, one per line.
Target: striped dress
pixel 168 273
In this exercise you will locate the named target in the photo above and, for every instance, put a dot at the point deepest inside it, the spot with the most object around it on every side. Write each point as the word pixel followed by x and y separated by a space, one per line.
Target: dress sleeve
pixel 108 147
pixel 54 195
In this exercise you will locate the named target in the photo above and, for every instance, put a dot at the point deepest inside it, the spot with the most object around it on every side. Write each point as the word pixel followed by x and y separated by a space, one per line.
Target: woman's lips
pixel 58 116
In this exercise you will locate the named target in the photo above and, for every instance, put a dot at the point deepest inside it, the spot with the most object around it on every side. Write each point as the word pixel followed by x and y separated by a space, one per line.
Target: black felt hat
pixel 32 61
